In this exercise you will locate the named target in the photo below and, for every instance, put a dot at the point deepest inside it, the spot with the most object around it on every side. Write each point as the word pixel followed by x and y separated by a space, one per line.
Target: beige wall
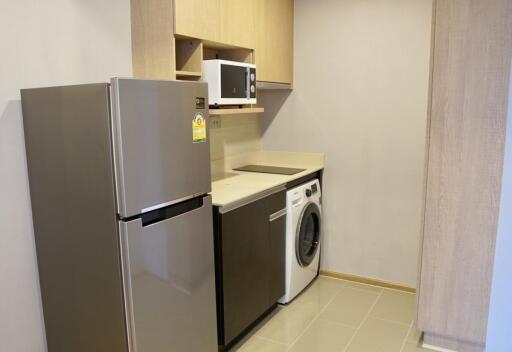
pixel 237 134
pixel 232 136
pixel 49 42
pixel 361 89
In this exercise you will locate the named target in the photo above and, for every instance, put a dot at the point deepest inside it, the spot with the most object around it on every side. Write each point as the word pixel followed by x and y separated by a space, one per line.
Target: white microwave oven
pixel 230 82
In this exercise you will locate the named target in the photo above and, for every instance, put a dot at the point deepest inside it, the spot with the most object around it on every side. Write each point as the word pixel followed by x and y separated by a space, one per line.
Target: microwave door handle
pixel 247 83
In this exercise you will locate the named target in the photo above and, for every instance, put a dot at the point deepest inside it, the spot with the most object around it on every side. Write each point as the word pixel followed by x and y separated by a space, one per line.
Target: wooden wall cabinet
pixel 229 22
pixel 469 99
pixel 237 22
pixel 152 28
pixel 160 27
pixel 250 266
pixel 197 18
pixel 274 40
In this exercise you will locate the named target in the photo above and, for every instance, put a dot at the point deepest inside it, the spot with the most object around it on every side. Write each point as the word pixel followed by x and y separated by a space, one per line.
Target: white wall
pixel 42 43
pixel 361 91
pixel 499 328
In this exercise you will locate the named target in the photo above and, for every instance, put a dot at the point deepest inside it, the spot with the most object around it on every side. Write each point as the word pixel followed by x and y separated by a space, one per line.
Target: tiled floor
pixel 336 315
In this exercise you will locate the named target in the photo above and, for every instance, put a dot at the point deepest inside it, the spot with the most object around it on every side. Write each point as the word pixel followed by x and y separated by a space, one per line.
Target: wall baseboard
pixel 368 281
pixel 448 344
pixel 435 348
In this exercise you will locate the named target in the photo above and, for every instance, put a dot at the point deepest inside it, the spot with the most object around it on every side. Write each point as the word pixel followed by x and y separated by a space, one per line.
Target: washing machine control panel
pixel 310 191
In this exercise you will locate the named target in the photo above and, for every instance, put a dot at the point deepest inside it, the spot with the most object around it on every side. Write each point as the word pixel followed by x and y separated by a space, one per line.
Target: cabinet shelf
pixel 253 110
pixel 182 73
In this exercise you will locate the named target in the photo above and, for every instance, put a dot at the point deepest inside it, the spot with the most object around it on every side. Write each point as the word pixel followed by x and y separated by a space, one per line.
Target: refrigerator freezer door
pixel 169 279
pixel 161 154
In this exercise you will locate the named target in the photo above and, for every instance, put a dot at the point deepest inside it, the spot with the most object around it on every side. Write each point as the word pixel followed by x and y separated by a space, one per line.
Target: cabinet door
pixel 237 19
pixel 197 18
pixel 244 273
pixel 274 40
pixel 253 262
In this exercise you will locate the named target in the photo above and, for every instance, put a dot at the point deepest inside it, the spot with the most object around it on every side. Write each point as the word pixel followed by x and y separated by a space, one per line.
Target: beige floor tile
pixel 342 307
pixel 378 335
pixel 257 344
pixel 288 324
pixel 364 287
pixel 414 347
pixel 320 292
pixel 395 306
pixel 324 336
pixel 350 306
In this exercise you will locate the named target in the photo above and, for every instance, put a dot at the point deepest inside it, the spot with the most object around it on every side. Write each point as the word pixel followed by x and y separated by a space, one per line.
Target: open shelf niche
pixel 189 59
pixel 190 54
pixel 213 51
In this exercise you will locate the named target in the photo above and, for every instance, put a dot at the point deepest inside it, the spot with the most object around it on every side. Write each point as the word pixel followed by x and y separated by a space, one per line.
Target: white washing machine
pixel 303 235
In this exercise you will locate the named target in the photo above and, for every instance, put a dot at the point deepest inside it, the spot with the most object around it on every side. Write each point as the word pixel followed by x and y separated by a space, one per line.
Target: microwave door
pixel 234 82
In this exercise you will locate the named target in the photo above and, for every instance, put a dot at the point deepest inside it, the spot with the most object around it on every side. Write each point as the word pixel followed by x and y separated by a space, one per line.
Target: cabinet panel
pixel 197 18
pixel 472 54
pixel 274 40
pixel 244 259
pixel 250 257
pixel 152 39
pixel 236 22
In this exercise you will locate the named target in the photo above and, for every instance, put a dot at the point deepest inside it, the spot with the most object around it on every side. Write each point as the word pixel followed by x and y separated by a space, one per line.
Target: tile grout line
pixel 406 336
pixel 255 334
pixel 337 323
pixel 394 321
pixel 270 340
pixel 315 318
pixel 363 321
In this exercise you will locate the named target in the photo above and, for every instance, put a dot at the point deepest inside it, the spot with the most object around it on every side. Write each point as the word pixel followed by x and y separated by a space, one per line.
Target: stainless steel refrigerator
pixel 119 178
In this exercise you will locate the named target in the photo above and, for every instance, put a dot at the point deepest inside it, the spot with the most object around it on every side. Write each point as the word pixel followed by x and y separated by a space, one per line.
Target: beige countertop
pixel 231 188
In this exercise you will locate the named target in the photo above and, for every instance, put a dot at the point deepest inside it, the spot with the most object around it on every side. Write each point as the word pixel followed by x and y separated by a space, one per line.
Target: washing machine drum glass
pixel 308 234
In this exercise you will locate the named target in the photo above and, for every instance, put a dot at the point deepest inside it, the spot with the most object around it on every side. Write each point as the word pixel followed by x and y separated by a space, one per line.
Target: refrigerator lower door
pixel 169 282
pixel 161 148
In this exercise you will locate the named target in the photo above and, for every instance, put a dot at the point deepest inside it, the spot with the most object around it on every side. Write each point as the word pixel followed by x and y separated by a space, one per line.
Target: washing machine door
pixel 307 240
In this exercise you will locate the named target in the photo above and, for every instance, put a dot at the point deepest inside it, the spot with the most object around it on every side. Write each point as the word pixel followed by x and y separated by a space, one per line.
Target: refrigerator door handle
pixel 171 211
pixel 173 202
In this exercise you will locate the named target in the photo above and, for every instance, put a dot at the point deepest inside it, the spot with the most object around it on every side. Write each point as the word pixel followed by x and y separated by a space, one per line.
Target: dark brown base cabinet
pixel 250 263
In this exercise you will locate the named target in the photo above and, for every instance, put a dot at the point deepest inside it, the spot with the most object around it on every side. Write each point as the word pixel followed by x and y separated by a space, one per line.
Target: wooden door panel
pixel 274 40
pixel 473 49
pixel 197 18
pixel 237 18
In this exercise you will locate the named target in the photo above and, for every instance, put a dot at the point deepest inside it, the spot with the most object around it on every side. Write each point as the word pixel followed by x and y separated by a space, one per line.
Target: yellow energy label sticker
pixel 199 128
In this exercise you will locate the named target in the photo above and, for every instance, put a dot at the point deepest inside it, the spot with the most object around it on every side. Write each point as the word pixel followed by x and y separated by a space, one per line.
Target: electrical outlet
pixel 215 122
